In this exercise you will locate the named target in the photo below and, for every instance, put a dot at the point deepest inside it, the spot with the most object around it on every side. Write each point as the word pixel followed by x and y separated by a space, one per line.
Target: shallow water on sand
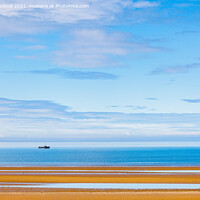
pixel 133 186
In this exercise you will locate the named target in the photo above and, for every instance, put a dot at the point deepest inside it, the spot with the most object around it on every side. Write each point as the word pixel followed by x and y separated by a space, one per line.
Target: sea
pixel 98 156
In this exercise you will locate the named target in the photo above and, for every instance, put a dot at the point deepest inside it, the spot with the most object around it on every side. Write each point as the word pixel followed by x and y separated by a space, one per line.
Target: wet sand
pixel 140 177
pixel 97 177
pixel 101 196
pixel 100 178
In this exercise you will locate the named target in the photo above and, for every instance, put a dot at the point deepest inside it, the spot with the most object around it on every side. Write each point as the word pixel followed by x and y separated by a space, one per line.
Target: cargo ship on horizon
pixel 44 147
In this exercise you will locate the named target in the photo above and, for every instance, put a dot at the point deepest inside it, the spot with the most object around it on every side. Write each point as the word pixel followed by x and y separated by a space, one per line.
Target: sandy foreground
pixel 101 195
pixel 8 176
pixel 74 177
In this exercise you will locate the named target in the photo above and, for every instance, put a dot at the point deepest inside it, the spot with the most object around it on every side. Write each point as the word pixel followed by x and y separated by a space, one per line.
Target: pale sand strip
pixel 100 196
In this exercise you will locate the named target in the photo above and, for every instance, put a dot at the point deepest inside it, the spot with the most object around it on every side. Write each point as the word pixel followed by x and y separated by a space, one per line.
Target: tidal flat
pixel 82 183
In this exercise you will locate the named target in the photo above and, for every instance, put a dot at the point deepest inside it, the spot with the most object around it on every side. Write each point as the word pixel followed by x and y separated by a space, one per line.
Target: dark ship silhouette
pixel 44 147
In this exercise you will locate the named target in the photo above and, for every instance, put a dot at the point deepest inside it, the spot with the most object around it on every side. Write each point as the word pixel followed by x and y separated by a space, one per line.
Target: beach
pixel 101 195
pixel 99 174
pixel 46 182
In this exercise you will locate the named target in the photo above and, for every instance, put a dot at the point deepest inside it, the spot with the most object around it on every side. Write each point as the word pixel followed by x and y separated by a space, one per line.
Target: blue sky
pixel 117 70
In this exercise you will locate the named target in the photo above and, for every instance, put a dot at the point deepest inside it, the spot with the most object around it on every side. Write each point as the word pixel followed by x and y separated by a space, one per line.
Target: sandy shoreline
pixel 61 194
pixel 100 196
pixel 101 178
pixel 98 178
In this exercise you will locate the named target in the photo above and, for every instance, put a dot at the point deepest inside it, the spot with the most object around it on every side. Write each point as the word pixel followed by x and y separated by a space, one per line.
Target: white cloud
pixel 176 69
pixel 97 9
pixel 33 20
pixel 46 119
pixel 145 4
pixel 97 48
pixel 67 74
pixel 26 57
pixel 31 108
pixel 183 5
pixel 35 47
pixel 22 25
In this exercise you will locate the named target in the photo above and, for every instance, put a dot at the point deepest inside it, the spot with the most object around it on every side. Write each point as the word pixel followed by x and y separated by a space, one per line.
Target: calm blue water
pixel 100 156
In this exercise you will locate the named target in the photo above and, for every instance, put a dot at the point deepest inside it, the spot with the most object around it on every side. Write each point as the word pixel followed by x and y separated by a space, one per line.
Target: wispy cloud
pixel 35 47
pixel 129 106
pixel 67 74
pixel 136 107
pixel 97 48
pixel 176 69
pixel 152 99
pixel 185 32
pixel 33 20
pixel 184 5
pixel 145 4
pixel 36 20
pixel 78 11
pixel 84 10
pixel 13 25
pixel 26 57
pixel 192 100
pixel 31 108
pixel 36 119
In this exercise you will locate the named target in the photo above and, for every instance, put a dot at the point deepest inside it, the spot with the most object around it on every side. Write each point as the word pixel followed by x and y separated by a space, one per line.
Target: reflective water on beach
pixel 96 172
pixel 112 171
pixel 131 186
